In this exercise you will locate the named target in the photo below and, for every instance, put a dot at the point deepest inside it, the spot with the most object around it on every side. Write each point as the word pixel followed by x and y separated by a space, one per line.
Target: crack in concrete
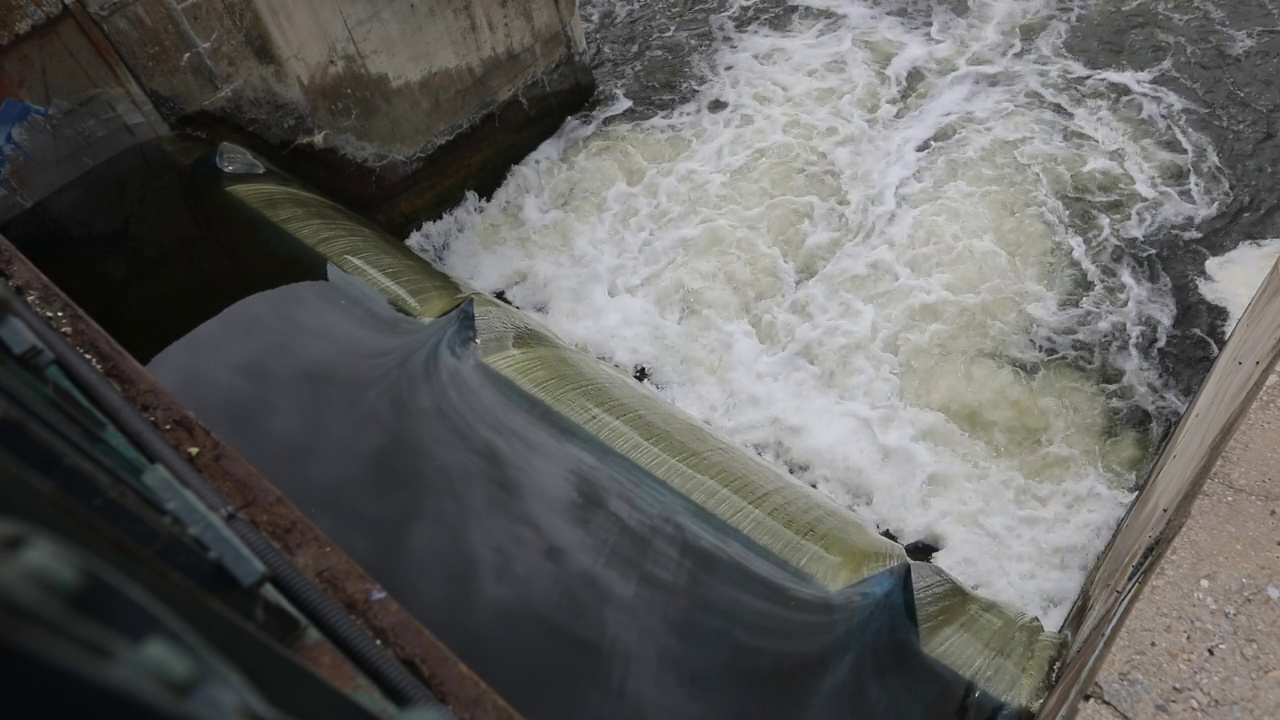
pixel 1097 694
pixel 1102 700
pixel 1242 491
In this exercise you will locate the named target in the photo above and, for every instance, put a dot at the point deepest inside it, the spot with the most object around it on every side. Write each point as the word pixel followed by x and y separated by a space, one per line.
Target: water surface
pixel 917 253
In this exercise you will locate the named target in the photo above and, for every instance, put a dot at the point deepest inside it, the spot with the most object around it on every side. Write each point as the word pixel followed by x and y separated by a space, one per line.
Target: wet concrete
pixel 67 102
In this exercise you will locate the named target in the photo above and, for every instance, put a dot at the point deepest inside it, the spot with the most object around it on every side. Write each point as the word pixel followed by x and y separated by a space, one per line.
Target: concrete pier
pixel 396 107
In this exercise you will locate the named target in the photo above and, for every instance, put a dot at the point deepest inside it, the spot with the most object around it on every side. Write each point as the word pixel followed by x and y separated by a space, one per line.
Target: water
pixel 1232 279
pixel 912 252
pixel 1223 59
pixel 577 584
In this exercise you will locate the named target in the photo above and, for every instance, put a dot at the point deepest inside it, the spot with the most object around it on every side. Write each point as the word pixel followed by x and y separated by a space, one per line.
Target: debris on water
pixel 798 469
pixel 717 106
pixel 918 550
pixel 921 551
pixel 501 296
pixel 642 374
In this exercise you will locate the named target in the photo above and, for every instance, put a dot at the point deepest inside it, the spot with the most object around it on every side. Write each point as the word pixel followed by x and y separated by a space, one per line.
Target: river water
pixel 939 260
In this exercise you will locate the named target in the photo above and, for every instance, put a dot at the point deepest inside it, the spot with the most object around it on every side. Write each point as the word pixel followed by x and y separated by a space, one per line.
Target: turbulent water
pixel 1233 278
pixel 910 251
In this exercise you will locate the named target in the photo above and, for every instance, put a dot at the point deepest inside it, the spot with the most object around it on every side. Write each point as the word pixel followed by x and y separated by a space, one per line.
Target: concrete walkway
pixel 1204 638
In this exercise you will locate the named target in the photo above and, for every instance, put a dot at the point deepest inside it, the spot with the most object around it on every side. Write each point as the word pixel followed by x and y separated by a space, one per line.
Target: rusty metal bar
pixel 262 504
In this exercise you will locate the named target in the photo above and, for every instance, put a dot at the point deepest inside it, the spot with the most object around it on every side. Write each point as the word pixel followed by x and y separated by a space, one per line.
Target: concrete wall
pixel 66 102
pixel 357 95
pixel 360 97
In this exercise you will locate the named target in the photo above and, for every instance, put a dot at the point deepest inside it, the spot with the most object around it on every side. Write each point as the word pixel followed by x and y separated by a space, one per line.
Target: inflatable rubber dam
pixel 816 360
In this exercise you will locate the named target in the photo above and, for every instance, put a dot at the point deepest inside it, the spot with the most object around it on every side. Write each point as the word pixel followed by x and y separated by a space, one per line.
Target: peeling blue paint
pixel 14 114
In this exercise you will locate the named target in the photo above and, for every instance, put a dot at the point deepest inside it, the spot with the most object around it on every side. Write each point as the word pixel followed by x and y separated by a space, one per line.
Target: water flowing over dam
pixel 900 250
pixel 739 358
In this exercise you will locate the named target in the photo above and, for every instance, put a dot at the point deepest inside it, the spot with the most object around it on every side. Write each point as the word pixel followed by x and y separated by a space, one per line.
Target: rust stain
pixel 105 51
pixel 316 652
pixel 267 508
pixel 19 17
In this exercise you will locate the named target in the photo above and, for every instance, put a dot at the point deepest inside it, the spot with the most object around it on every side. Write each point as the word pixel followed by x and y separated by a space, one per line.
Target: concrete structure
pixel 1204 642
pixel 362 97
pixel 1238 375
pixel 66 102
pixel 398 106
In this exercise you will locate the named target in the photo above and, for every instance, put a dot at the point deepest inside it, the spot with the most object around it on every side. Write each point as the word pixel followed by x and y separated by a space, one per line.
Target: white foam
pixel 1233 278
pixel 883 264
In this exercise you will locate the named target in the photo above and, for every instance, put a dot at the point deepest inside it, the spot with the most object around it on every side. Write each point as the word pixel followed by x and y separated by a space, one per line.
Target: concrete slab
pixel 1204 639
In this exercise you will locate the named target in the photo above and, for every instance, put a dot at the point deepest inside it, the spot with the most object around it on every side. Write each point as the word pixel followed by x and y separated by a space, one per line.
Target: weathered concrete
pixel 19 18
pixel 395 107
pixel 1204 642
pixel 361 97
pixel 66 102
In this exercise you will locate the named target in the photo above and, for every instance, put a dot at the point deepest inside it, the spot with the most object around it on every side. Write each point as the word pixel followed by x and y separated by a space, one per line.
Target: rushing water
pixel 910 251
pixel 1233 278
pixel 577 584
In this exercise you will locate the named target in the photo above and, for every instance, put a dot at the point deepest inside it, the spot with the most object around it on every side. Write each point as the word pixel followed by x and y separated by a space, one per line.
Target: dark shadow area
pixel 149 251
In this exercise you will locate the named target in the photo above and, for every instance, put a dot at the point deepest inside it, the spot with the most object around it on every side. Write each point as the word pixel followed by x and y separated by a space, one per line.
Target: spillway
pixel 901 251
pixel 828 364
